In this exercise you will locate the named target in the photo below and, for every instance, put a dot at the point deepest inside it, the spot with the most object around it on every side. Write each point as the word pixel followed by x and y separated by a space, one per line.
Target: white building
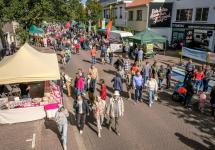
pixel 115 10
pixel 192 22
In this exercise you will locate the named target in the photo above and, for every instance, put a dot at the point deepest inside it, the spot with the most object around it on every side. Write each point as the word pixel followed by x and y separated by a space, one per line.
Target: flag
pixel 109 27
pixel 99 23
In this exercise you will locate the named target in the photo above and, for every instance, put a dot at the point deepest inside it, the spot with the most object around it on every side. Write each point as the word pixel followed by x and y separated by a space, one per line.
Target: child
pixel 99 107
pixel 202 100
pixel 103 93
pixel 61 119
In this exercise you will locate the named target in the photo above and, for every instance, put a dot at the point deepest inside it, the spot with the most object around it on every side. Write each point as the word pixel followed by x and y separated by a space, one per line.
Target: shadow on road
pixel 194 144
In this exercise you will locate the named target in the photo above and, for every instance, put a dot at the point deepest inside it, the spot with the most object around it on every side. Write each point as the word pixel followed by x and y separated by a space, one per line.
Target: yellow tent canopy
pixel 29 65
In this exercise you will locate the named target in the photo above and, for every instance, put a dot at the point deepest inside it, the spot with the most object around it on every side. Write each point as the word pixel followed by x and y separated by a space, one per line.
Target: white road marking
pixel 33 141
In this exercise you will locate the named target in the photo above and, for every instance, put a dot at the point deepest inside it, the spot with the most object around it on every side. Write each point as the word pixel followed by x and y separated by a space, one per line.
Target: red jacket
pixel 103 93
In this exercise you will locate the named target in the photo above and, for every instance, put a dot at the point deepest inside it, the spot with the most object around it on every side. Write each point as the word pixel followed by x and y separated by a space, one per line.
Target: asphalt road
pixel 164 126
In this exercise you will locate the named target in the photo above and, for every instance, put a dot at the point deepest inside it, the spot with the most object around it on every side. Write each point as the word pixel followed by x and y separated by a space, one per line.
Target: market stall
pixel 146 39
pixel 27 66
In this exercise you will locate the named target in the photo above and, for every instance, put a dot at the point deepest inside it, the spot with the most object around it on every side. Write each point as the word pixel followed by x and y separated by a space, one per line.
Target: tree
pixel 28 12
pixel 94 11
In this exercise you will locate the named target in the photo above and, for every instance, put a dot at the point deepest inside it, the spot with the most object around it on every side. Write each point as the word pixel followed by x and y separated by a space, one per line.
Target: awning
pixel 29 65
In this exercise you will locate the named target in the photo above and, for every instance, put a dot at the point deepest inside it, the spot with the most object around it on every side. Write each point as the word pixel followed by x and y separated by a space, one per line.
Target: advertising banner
pixel 211 58
pixel 194 54
pixel 160 14
pixel 103 24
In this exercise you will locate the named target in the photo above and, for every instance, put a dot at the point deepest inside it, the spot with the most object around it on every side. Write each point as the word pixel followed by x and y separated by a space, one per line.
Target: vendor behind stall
pixel 24 90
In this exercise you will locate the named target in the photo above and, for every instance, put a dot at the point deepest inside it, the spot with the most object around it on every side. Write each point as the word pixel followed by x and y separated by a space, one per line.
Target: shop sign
pixel 194 26
pixel 194 54
pixel 160 14
pixel 149 47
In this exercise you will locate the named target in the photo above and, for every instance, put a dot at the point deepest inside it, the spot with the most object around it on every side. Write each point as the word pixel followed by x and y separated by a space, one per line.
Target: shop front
pixel 195 36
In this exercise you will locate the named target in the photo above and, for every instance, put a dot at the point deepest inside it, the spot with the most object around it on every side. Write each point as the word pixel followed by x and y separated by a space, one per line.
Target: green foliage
pixel 94 10
pixel 28 12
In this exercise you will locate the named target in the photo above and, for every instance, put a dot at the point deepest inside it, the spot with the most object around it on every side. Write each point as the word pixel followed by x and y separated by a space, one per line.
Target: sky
pixel 83 1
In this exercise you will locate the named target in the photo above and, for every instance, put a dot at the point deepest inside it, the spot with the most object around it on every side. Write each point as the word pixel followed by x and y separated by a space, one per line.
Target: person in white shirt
pixel 152 87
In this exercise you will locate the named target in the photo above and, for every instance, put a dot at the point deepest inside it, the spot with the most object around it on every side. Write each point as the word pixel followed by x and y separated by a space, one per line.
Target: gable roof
pixel 137 3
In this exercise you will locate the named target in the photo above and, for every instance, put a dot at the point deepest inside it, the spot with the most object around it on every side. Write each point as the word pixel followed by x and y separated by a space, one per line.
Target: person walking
pixel 91 85
pixel 152 86
pixel 79 84
pixel 140 57
pixel 110 55
pixel 134 69
pixel 129 84
pixel 154 70
pixel 189 68
pixel 103 92
pixel 190 92
pixel 127 65
pixel 207 77
pixel 168 76
pixel 94 72
pixel 146 72
pixel 99 108
pixel 117 82
pixel 115 110
pixel 198 76
pixel 82 109
pixel 161 74
pixel 93 53
pixel 137 85
pixel 61 120
pixel 212 101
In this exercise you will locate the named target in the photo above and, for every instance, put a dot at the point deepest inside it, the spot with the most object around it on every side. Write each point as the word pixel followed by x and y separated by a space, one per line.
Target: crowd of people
pixel 138 76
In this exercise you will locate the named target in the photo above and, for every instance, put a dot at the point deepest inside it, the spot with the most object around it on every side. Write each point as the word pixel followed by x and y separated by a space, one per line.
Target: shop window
pixel 184 15
pixel 120 12
pixel 139 15
pixel 202 14
pixel 130 15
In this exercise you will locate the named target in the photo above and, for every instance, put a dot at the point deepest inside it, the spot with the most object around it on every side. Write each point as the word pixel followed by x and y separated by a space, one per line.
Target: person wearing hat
pixel 115 110
pixel 99 107
pixel 61 120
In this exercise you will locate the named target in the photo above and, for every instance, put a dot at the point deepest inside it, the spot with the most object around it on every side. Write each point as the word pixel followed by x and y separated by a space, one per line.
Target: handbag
pixel 156 97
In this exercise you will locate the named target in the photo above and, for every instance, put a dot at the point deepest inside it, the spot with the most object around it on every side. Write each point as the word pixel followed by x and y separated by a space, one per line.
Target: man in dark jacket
pixel 190 92
pixel 212 101
pixel 117 82
pixel 91 85
pixel 82 109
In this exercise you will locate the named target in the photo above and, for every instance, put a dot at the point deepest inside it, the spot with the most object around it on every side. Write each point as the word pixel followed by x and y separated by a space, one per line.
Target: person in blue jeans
pixel 152 86
pixel 138 86
pixel 61 120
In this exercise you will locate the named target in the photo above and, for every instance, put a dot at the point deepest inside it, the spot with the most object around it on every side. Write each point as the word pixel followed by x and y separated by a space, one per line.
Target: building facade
pixel 193 23
pixel 137 13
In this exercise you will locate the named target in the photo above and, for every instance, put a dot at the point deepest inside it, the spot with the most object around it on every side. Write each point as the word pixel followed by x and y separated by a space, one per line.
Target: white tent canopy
pixel 29 65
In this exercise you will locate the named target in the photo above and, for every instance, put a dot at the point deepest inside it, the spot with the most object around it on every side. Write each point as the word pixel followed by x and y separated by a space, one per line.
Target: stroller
pixel 179 93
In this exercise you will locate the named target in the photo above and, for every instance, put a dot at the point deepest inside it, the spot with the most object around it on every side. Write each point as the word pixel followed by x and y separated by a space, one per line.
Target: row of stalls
pixel 29 68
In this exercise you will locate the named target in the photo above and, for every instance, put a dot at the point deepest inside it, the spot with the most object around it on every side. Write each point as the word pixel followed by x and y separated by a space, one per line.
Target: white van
pixel 117 38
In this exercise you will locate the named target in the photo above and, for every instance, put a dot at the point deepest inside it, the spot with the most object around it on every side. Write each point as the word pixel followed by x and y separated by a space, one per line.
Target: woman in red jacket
pixel 103 93
pixel 198 75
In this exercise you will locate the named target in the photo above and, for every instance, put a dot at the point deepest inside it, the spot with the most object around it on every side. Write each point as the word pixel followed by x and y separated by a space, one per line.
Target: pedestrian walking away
pixel 115 110
pixel 61 119
pixel 82 109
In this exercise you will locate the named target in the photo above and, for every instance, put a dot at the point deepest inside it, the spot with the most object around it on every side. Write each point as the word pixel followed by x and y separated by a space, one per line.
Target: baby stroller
pixel 179 93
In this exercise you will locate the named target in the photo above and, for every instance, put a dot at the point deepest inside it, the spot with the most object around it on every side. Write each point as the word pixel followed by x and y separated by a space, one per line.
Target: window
pixel 139 15
pixel 120 12
pixel 115 13
pixel 184 15
pixel 130 15
pixel 202 14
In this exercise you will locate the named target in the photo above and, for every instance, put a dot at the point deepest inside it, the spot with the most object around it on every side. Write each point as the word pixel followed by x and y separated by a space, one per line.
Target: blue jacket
pixel 137 81
pixel 117 83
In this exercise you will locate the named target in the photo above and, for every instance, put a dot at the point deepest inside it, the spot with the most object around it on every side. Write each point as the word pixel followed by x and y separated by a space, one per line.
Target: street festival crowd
pixel 138 76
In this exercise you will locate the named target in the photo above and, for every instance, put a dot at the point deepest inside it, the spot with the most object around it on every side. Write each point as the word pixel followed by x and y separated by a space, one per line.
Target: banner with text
pixel 194 54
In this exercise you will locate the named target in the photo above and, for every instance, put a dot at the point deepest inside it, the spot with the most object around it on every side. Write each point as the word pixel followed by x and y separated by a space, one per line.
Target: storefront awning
pixel 29 65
